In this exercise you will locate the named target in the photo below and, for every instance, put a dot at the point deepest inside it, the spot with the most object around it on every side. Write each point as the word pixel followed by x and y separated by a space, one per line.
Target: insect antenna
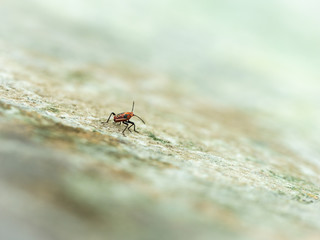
pixel 139 118
pixel 132 106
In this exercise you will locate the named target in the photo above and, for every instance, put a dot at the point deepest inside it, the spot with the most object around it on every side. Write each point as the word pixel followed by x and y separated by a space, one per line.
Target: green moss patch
pixel 155 138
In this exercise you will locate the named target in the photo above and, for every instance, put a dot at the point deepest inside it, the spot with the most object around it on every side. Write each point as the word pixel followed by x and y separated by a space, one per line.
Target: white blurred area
pixel 257 55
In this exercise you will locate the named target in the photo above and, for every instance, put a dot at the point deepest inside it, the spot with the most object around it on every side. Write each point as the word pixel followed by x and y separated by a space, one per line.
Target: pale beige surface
pixel 230 145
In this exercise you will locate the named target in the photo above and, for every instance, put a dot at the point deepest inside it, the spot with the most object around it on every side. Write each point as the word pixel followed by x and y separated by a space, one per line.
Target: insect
pixel 124 118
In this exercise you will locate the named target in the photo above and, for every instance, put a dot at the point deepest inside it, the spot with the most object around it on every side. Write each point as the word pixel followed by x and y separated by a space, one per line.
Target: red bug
pixel 124 118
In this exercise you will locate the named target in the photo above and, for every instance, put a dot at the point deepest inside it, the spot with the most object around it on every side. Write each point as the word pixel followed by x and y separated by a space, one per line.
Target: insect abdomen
pixel 122 117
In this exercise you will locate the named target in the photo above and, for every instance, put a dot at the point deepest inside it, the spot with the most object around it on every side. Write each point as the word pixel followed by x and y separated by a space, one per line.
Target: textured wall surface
pixel 230 95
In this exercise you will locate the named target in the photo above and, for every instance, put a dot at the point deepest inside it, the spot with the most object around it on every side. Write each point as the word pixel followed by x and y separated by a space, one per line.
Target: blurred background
pixel 261 55
pixel 260 58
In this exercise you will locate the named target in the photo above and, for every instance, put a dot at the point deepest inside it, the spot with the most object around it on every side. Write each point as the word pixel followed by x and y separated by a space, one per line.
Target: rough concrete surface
pixel 230 148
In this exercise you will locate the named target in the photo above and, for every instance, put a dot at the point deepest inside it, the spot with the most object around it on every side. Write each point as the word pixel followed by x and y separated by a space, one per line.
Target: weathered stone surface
pixel 230 145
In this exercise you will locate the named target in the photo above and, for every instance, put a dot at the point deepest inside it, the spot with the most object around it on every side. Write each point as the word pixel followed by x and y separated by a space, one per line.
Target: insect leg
pixel 134 126
pixel 109 117
pixel 126 123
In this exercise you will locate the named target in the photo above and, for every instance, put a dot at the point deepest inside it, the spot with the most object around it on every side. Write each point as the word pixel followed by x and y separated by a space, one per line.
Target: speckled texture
pixel 218 158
